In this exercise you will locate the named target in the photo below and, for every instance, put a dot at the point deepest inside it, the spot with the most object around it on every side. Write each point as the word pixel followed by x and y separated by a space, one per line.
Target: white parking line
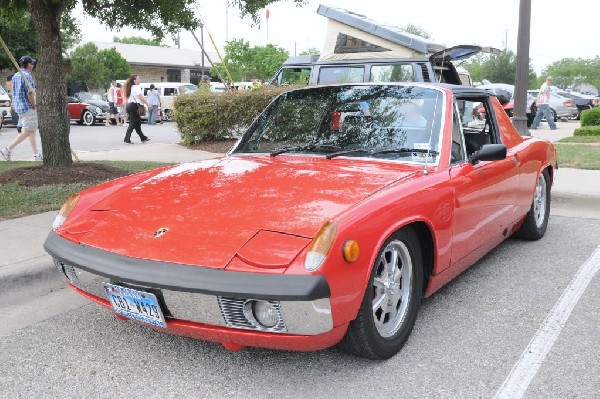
pixel 532 357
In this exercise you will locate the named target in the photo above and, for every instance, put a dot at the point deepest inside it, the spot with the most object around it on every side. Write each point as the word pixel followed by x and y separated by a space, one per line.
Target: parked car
pixel 167 92
pixel 505 93
pixel 334 214
pixel 5 114
pixel 438 67
pixel 83 113
pixel 582 101
pixel 561 107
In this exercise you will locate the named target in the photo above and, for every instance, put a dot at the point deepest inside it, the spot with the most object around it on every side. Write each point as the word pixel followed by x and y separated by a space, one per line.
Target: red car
pixel 83 113
pixel 338 210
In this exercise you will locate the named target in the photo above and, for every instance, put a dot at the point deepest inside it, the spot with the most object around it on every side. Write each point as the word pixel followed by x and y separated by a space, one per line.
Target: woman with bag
pixel 135 100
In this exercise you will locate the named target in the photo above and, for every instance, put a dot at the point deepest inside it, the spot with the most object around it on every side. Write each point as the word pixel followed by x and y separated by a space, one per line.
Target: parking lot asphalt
pixel 575 193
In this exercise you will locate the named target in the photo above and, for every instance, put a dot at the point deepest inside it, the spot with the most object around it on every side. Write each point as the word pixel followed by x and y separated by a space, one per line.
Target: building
pixel 162 64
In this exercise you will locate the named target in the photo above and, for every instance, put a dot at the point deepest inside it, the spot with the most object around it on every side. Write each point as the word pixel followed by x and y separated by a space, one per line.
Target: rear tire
pixel 391 301
pixel 536 221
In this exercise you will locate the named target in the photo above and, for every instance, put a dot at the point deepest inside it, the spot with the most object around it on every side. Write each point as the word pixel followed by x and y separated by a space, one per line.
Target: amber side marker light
pixel 351 250
pixel 66 209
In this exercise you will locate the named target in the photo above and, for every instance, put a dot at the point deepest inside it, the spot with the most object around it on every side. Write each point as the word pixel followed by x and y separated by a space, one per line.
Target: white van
pixel 4 106
pixel 167 91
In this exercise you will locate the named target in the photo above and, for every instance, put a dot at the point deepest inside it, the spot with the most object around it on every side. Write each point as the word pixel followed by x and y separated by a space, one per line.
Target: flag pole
pixel 226 21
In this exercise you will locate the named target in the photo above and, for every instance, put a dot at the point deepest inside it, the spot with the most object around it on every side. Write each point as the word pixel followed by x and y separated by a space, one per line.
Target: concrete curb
pixel 29 278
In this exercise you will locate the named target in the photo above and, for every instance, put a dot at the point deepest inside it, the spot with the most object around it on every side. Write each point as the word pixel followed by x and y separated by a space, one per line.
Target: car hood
pixel 206 213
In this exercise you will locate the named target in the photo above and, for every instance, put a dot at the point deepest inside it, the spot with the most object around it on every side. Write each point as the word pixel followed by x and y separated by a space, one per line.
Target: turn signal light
pixel 320 246
pixel 66 210
pixel 351 250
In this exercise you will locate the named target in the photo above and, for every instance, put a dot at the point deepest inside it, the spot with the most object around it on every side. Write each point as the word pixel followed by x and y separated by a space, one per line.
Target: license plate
pixel 134 304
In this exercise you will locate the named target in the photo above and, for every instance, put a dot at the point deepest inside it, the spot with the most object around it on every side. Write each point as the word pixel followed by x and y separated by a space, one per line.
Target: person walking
pixel 112 104
pixel 25 105
pixel 134 98
pixel 543 106
pixel 154 100
pixel 121 105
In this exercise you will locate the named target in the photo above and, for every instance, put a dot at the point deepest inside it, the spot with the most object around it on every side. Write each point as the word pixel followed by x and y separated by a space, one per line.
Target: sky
pixel 558 30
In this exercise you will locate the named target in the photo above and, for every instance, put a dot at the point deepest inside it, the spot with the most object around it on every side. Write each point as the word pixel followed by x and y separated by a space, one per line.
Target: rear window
pixel 353 74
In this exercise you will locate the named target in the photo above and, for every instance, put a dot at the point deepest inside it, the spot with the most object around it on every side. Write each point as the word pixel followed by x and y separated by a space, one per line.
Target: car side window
pixel 476 122
pixel 169 91
pixel 458 154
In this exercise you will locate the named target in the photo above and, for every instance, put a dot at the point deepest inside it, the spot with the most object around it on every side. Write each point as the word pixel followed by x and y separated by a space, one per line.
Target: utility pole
pixel 202 45
pixel 522 73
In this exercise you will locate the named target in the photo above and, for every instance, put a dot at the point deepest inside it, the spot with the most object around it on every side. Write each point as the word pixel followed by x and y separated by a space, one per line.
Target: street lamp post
pixel 522 72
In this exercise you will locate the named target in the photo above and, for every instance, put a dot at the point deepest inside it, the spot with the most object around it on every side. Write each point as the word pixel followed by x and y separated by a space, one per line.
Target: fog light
pixel 263 313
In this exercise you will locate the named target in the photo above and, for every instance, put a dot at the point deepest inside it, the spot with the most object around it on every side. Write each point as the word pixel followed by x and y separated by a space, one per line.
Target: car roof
pixel 456 89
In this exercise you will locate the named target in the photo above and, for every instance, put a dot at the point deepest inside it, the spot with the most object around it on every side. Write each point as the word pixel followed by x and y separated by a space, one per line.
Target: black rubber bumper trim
pixel 186 278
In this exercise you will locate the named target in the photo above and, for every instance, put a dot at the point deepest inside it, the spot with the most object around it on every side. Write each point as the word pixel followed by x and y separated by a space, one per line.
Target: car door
pixel 484 192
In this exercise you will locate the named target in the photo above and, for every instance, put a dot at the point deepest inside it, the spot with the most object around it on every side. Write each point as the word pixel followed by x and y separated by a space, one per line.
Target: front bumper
pixel 196 295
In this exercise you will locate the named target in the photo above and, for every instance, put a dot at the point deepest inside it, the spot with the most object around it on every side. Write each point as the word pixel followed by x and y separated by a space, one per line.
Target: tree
pixel 570 72
pixel 497 68
pixel 247 63
pixel 159 17
pixel 311 50
pixel 87 72
pixel 16 32
pixel 138 40
pixel 94 69
pixel 416 30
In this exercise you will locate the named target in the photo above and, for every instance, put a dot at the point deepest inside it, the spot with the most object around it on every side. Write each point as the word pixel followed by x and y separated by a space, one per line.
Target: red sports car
pixel 338 210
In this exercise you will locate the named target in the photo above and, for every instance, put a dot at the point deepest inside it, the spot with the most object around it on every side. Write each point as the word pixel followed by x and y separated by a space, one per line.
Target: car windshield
pixel 87 96
pixel 378 121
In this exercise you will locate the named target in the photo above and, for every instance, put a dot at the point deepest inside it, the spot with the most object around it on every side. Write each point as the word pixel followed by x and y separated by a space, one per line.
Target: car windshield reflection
pixel 376 121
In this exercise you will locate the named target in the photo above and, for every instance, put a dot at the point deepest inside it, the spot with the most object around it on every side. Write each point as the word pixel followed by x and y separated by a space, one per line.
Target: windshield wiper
pixel 399 150
pixel 340 153
pixel 307 147
pixel 404 150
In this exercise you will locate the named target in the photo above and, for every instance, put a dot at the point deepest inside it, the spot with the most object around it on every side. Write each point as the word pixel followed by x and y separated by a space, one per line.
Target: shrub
pixel 590 117
pixel 587 130
pixel 206 116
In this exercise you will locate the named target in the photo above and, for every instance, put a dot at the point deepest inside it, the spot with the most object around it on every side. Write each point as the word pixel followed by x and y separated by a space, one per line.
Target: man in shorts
pixel 25 105
pixel 112 104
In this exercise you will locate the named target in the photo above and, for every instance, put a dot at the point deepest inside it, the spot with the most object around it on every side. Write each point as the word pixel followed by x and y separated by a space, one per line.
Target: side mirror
pixel 488 152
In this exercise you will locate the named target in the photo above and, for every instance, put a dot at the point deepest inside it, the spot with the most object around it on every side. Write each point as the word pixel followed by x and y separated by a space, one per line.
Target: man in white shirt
pixel 112 104
pixel 543 106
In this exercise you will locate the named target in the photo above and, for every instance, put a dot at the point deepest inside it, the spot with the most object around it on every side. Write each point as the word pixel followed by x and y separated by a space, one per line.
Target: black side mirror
pixel 488 152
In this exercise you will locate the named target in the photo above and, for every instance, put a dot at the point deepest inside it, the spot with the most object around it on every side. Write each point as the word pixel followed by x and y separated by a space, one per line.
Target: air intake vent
pixel 425 71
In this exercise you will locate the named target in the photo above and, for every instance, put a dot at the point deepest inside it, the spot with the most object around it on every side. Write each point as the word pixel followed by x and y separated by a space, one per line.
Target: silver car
pixel 561 107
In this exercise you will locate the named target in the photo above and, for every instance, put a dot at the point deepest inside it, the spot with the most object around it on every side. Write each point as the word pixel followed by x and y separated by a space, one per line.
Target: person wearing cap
pixel 25 105
pixel 543 106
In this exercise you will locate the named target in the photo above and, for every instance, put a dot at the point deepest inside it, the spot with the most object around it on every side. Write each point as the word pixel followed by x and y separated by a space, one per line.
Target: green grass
pixel 578 156
pixel 16 201
pixel 580 139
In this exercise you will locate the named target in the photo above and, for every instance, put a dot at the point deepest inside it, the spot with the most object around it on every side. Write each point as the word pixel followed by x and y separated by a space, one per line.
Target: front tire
pixel 168 115
pixel 536 221
pixel 391 301
pixel 88 118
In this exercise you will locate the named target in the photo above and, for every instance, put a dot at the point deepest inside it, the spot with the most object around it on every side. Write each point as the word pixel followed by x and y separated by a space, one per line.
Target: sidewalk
pixel 26 269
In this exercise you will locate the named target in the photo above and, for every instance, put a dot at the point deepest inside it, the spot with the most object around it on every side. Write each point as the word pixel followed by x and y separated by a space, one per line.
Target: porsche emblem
pixel 160 232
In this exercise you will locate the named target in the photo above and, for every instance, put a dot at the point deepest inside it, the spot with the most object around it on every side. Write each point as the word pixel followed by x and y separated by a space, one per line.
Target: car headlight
pixel 65 211
pixel 320 246
pixel 98 110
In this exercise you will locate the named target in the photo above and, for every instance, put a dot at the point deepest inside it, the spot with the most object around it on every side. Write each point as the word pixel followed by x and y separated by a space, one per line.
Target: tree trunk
pixel 51 85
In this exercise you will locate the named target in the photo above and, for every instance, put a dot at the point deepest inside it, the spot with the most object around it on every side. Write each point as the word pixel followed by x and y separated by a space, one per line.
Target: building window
pixel 348 44
pixel 173 75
